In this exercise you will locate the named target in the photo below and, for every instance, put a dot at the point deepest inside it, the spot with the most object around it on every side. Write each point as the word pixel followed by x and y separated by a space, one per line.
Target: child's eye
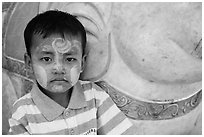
pixel 46 59
pixel 70 59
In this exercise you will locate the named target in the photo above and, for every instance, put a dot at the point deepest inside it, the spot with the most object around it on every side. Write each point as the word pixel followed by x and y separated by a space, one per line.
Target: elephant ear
pixel 94 17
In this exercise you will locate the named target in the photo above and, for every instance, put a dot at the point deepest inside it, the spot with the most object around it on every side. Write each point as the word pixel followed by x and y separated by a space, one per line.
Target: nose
pixel 58 68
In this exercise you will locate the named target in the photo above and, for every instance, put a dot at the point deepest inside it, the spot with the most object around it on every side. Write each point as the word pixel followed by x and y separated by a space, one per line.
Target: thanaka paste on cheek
pixel 60 45
pixel 74 73
pixel 41 75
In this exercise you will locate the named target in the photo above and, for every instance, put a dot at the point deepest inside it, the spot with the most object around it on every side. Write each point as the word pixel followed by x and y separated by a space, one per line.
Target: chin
pixel 59 88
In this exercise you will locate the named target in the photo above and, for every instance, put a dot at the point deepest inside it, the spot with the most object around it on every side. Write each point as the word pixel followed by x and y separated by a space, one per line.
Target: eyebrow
pixel 47 52
pixel 71 52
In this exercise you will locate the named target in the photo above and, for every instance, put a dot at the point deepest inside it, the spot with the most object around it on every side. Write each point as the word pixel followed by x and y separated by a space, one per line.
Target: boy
pixel 59 103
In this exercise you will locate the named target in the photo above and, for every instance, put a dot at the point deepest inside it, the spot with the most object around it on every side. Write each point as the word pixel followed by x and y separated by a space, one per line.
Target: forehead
pixel 47 43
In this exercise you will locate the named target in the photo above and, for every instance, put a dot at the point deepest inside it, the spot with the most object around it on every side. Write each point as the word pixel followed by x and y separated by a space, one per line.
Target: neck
pixel 60 98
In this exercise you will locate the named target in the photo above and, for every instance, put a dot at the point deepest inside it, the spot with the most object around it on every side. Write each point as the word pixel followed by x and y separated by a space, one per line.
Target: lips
pixel 58 80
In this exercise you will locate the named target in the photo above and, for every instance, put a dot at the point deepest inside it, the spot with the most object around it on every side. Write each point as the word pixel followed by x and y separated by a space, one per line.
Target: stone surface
pixel 14 40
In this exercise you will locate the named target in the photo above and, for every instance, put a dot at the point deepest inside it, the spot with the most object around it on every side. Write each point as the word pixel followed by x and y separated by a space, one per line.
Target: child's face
pixel 57 62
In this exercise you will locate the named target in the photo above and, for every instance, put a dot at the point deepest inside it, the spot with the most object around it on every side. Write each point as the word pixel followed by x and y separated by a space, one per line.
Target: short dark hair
pixel 53 22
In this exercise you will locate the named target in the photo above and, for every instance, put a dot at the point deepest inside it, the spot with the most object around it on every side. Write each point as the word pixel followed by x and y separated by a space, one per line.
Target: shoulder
pixel 89 85
pixel 94 91
pixel 24 100
pixel 22 103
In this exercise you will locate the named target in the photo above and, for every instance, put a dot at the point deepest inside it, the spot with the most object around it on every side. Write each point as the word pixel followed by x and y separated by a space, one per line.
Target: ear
pixel 83 62
pixel 27 59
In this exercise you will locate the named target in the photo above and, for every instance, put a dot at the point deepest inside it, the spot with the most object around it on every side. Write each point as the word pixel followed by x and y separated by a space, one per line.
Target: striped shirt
pixel 90 111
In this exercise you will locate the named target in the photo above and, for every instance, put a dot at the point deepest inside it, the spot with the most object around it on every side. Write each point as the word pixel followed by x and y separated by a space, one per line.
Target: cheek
pixel 74 75
pixel 41 75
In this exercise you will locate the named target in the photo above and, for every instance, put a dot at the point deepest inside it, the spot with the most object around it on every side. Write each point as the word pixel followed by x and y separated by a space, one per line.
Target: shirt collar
pixel 77 99
pixel 50 109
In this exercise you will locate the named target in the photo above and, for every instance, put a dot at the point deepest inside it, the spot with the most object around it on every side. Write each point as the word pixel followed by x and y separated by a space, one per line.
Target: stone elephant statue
pixel 146 56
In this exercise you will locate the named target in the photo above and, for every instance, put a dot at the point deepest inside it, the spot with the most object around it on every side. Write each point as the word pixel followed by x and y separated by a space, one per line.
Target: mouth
pixel 59 80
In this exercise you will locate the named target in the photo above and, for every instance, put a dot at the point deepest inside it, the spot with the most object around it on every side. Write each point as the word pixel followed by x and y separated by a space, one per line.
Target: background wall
pixel 149 55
